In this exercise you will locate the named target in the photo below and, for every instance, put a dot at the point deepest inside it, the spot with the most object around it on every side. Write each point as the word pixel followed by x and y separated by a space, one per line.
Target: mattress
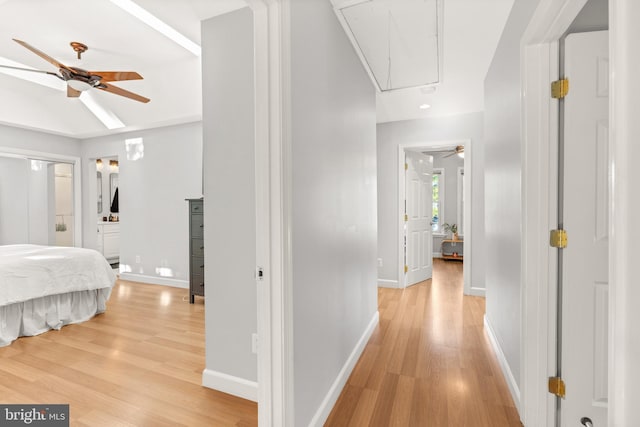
pixel 43 287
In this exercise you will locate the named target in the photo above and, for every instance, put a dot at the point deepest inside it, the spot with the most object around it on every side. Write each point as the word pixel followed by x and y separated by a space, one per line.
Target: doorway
pixel 107 207
pixel 466 214
pixel 544 209
pixel 40 199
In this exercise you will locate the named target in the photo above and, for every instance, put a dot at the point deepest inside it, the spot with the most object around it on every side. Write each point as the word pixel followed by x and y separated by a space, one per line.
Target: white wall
pixel 153 213
pixel 594 16
pixel 38 141
pixel 390 136
pixel 502 186
pixel 333 206
pixel 229 202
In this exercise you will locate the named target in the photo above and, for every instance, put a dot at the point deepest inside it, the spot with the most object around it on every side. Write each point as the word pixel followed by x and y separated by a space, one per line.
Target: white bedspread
pixel 30 271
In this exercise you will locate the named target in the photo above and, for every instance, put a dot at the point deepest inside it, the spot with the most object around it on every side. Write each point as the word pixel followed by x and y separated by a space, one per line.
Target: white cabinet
pixel 109 241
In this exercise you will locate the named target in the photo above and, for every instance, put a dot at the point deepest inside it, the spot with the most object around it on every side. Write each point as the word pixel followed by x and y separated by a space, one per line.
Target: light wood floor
pixel 139 364
pixel 429 363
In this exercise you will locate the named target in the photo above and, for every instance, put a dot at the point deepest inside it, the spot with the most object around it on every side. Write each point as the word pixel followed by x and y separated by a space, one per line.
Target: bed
pixel 46 287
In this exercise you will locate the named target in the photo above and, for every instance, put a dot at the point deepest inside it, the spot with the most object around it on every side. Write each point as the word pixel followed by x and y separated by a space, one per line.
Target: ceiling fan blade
pixel 458 150
pixel 41 54
pixel 119 91
pixel 73 93
pixel 31 70
pixel 114 76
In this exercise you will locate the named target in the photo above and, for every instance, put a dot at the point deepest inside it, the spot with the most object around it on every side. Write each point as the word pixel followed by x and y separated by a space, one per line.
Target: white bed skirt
pixel 39 315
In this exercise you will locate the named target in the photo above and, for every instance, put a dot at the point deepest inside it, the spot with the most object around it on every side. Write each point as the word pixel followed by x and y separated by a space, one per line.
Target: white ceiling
pixel 398 41
pixel 172 74
pixel 117 41
pixel 472 29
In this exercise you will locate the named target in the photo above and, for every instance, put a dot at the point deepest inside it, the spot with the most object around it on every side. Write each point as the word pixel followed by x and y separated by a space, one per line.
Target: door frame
pixel 430 145
pixel 539 62
pixel 271 23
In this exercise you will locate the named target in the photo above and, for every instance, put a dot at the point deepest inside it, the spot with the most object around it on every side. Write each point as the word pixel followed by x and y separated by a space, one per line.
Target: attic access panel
pixel 398 41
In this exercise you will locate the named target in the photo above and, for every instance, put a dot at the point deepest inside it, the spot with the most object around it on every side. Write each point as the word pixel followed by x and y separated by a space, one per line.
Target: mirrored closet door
pixel 36 201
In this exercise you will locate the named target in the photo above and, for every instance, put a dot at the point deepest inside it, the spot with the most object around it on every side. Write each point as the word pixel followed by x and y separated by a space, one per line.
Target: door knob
pixel 586 422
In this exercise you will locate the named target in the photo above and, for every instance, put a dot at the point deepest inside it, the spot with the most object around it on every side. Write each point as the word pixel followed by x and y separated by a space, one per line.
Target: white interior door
pixel 586 206
pixel 418 206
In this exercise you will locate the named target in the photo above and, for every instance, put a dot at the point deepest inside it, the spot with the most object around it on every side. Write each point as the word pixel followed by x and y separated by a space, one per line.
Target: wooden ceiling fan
pixel 79 80
pixel 459 150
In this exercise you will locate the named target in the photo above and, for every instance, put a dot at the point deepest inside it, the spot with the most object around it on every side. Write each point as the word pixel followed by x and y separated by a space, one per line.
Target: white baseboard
pixel 154 280
pixel 504 365
pixel 383 283
pixel 231 385
pixel 437 255
pixel 336 388
pixel 476 292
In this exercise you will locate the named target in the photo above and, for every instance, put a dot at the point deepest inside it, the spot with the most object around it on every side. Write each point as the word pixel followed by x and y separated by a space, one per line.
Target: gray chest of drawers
pixel 196 248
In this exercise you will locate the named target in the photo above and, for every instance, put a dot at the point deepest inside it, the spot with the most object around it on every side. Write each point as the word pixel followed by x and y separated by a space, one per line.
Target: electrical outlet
pixel 379 262
pixel 254 343
pixel 137 259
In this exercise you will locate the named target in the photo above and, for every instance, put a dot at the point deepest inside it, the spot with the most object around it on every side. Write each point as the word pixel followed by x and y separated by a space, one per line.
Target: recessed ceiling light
pixel 158 25
pixel 425 106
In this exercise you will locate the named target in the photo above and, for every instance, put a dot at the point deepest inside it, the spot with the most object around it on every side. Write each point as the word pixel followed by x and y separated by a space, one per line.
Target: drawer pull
pixel 202 285
pixel 202 266
pixel 201 225
pixel 201 247
pixel 195 208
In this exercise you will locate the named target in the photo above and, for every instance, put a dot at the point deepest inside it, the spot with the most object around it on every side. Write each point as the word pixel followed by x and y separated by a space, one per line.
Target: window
pixel 438 200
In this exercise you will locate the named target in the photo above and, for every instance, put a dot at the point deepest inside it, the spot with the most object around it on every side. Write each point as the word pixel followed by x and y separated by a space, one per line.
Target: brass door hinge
pixel 406 166
pixel 558 239
pixel 406 217
pixel 557 387
pixel 560 88
pixel 406 268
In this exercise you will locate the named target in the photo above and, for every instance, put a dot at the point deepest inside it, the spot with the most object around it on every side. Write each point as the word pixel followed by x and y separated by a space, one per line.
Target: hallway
pixel 429 362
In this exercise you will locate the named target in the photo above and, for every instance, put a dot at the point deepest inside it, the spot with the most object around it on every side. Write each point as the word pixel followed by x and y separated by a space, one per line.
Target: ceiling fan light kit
pixel 79 85
pixel 79 80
